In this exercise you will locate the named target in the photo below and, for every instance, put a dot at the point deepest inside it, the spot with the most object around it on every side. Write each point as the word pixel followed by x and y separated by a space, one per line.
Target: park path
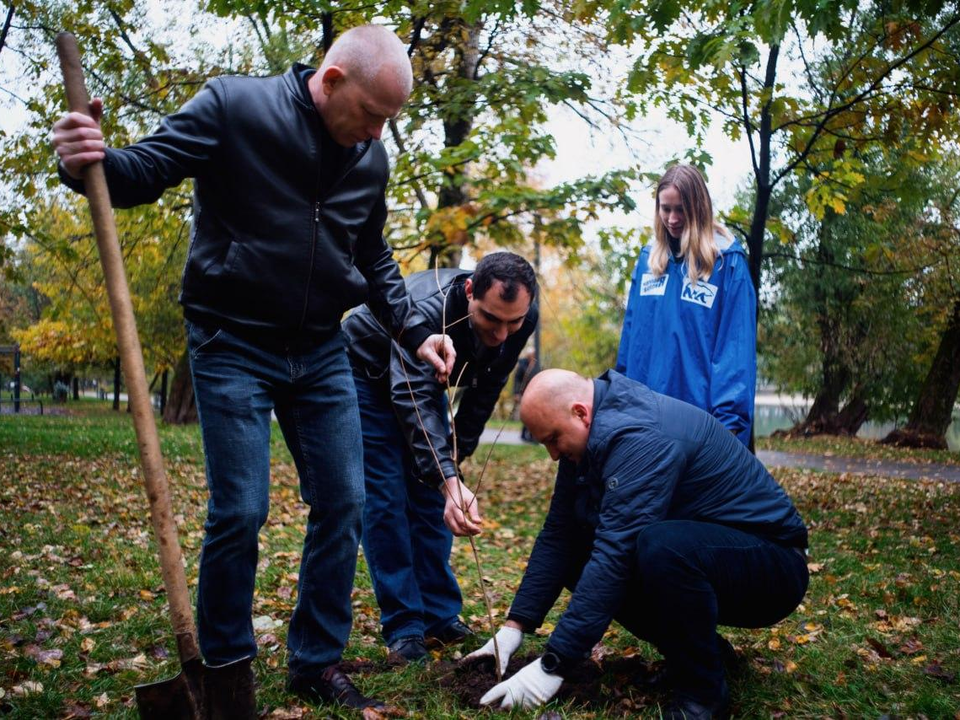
pixel 825 463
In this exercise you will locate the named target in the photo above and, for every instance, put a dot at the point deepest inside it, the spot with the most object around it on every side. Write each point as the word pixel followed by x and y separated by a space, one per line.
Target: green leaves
pixel 832 185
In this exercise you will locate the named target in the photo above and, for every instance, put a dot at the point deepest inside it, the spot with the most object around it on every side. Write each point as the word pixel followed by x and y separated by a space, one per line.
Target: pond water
pixel 771 415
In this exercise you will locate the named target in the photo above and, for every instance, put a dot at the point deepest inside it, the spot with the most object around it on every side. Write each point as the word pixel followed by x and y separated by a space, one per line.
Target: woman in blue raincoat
pixel 690 327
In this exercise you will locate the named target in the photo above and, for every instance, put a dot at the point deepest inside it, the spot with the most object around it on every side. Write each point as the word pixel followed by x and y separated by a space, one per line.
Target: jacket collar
pixel 295 80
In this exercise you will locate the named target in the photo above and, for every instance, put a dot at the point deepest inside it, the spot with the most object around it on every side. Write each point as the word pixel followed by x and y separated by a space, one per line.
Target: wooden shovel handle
pixel 131 358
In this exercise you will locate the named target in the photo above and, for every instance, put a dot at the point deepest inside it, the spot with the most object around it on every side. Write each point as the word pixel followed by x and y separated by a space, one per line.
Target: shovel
pixel 180 696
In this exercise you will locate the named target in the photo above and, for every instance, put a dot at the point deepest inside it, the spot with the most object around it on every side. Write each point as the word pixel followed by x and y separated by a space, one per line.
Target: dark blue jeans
pixel 405 541
pixel 691 577
pixel 237 384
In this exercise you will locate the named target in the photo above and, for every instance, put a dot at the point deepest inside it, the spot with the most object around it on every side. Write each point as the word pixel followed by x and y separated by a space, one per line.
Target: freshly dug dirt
pixel 610 684
pixel 589 684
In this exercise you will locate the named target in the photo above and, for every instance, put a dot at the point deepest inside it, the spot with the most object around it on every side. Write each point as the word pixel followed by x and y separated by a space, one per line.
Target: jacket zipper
pixel 313 252
pixel 316 231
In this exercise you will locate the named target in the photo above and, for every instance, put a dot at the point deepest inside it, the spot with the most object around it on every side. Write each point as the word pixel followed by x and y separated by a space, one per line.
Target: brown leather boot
pixel 229 691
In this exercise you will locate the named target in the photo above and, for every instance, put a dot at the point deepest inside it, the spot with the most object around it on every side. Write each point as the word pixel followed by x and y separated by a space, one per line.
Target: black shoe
pixel 229 691
pixel 331 686
pixel 653 678
pixel 657 678
pixel 689 709
pixel 455 632
pixel 728 654
pixel 409 649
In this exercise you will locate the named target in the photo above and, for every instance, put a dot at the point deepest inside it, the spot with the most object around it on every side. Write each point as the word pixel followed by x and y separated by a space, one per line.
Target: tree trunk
pixel 181 407
pixel 933 408
pixel 825 416
pixel 758 227
pixel 457 124
pixel 761 206
pixel 761 165
pixel 853 415
pixel 116 384
pixel 6 25
pixel 76 388
pixel 822 416
pixel 163 391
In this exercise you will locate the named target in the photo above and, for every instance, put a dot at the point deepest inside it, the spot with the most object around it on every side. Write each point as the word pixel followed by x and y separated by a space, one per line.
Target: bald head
pixel 553 391
pixel 371 53
pixel 363 82
pixel 557 408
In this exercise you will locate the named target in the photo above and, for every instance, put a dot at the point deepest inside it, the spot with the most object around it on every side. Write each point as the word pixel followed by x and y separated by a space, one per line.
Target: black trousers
pixel 693 576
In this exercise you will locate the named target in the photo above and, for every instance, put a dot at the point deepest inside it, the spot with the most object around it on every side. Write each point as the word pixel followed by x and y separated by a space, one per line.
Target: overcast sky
pixel 659 140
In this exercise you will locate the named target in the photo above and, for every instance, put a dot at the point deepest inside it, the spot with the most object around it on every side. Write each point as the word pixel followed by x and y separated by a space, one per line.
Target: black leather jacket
pixel 390 369
pixel 270 255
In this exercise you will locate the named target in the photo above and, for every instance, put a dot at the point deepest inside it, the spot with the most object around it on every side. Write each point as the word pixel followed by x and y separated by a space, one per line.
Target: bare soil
pixel 609 684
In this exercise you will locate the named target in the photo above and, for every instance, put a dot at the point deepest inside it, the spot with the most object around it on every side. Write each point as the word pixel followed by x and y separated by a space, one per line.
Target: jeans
pixel 405 541
pixel 310 388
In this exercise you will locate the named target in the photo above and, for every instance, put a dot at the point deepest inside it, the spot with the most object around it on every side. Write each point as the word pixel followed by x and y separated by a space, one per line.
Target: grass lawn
pixel 856 448
pixel 83 615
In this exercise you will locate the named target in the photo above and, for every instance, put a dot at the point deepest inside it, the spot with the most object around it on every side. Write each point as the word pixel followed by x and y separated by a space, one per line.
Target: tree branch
pixel 851 268
pixel 6 25
pixel 415 35
pixel 833 111
pixel 327 25
pixel 395 131
pixel 748 126
pixel 138 54
pixel 486 51
pixel 806 65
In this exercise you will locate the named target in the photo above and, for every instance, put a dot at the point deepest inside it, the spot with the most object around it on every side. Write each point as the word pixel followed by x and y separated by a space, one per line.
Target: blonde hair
pixel 698 246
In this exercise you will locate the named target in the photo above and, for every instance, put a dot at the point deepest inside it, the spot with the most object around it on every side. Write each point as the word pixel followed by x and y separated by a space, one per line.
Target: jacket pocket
pixel 225 268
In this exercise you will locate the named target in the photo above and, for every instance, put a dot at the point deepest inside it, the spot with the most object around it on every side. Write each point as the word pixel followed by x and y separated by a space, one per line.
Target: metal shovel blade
pixel 178 697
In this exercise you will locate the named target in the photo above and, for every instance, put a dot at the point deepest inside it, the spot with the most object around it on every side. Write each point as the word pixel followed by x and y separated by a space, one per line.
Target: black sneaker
pixel 330 686
pixel 455 632
pixel 409 649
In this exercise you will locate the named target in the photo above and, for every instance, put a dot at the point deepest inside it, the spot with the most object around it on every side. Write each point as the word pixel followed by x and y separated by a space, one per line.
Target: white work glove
pixel 508 640
pixel 527 689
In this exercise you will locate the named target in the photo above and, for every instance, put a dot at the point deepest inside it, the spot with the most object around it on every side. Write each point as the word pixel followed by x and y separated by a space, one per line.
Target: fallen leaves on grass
pixel 136 663
pixel 28 687
pixel 74 711
pixel 292 713
pixel 389 711
pixel 44 657
pixel 75 569
pixel 936 670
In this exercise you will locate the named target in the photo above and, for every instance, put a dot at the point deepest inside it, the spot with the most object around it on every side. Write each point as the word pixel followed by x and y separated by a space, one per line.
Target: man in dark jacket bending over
pixel 410 459
pixel 661 520
pixel 287 235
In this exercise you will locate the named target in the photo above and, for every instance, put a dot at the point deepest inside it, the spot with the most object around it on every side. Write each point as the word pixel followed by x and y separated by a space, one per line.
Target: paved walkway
pixel 832 464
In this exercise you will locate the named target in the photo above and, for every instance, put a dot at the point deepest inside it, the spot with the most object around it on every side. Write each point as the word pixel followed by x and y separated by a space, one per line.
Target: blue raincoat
pixel 696 343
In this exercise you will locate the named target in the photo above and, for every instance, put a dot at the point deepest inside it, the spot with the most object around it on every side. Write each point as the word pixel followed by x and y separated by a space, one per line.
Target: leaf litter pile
pixel 83 616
